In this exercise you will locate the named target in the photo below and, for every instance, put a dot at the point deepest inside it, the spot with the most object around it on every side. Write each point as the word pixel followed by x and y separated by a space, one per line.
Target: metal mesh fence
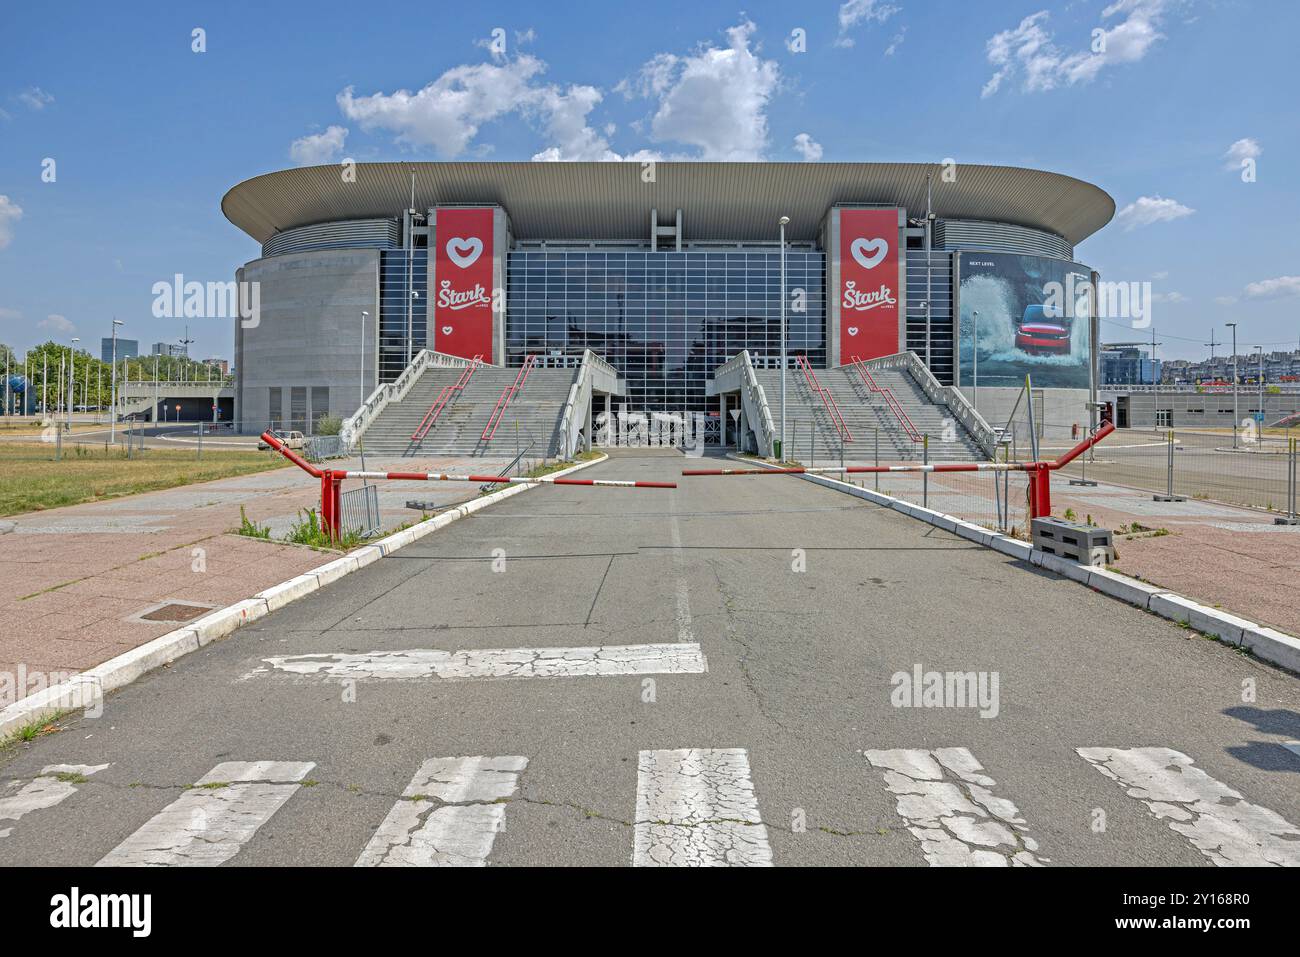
pixel 1200 466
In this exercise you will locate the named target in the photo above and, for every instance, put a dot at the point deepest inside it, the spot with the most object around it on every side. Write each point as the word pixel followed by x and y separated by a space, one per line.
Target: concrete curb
pixel 87 689
pixel 1267 644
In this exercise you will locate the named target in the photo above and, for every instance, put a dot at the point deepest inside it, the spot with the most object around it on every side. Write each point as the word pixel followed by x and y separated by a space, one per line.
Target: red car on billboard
pixel 1040 334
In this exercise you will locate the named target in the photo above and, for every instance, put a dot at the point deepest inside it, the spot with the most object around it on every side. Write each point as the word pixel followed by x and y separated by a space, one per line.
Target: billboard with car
pixel 1023 314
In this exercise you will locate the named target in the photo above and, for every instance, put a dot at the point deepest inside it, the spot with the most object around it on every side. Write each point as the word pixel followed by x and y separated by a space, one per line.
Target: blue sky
pixel 147 135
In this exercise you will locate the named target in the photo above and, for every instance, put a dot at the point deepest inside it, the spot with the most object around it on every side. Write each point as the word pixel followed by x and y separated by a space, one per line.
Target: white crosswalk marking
pixel 696 808
pixel 54 784
pixel 448 816
pixel 208 824
pixel 949 806
pixel 1219 822
pixel 657 659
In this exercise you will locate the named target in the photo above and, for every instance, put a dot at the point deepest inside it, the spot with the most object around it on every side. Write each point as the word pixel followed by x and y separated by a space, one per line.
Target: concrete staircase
pixel 864 413
pixel 536 408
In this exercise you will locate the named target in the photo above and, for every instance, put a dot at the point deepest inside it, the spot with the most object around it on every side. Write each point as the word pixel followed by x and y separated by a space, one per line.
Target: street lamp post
pixel 72 378
pixel 783 222
pixel 112 386
pixel 1233 327
pixel 1260 420
pixel 362 397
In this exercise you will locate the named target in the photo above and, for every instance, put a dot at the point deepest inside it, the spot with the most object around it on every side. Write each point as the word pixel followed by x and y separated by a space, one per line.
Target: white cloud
pixel 808 148
pixel 10 313
pixel 10 213
pixel 714 100
pixel 1241 151
pixel 318 148
pixel 1146 210
pixel 897 42
pixel 854 12
pixel 1282 286
pixel 446 114
pixel 1028 48
pixel 34 98
pixel 1163 274
pixel 56 324
pixel 1225 300
pixel 1169 297
pixel 565 115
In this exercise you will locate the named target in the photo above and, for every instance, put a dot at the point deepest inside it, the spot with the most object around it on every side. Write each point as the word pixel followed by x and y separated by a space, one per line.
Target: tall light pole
pixel 1260 420
pixel 112 386
pixel 1233 327
pixel 72 377
pixel 783 222
pixel 362 400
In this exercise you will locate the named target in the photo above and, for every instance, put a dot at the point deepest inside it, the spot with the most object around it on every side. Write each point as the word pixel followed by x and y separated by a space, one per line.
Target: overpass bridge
pixel 176 401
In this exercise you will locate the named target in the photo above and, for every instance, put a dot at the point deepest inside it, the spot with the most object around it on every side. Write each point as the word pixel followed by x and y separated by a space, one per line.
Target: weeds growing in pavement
pixel 251 528
pixel 311 532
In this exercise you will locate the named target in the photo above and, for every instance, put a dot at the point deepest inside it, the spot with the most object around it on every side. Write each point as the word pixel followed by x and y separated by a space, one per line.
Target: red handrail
pixel 440 403
pixel 891 401
pixel 507 396
pixel 828 400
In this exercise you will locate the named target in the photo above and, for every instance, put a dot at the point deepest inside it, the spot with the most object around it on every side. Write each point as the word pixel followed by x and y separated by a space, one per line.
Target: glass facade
pixel 397 268
pixel 665 320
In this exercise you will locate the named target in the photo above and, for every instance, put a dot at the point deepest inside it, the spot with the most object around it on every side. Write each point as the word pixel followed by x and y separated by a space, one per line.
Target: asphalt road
pixel 1114 737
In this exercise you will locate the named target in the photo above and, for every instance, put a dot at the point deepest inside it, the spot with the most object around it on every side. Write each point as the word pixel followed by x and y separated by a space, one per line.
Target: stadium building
pixel 666 271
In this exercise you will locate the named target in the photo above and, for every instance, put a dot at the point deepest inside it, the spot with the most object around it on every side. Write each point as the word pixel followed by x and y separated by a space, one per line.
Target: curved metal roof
pixel 719 201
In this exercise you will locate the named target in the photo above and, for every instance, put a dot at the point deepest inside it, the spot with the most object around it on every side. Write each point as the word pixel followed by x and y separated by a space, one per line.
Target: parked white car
pixel 290 440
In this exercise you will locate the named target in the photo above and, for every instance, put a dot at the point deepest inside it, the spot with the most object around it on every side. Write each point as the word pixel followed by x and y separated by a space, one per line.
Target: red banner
pixel 462 316
pixel 868 283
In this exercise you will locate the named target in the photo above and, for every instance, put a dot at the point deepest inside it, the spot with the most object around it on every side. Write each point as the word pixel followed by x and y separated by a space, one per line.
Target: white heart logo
pixel 446 330
pixel 464 252
pixel 869 252
pixel 853 330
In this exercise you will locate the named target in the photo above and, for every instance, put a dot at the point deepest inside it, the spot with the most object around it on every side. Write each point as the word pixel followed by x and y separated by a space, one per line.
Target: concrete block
pixel 1208 621
pixel 277 596
pixel 1122 587
pixel 1272 646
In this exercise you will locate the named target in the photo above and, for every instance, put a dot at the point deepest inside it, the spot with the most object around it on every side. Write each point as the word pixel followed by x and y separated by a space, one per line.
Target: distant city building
pixel 169 349
pixel 222 365
pixel 126 349
pixel 1279 367
pixel 1128 365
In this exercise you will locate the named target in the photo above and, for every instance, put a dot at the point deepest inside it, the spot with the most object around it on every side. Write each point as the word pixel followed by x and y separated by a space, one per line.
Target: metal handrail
pixel 513 462
pixel 828 400
pixel 891 400
pixel 507 396
pixel 431 417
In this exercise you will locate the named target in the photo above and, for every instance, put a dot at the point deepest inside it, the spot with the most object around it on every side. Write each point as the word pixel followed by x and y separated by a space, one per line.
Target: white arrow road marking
pixel 696 808
pixel 52 786
pixel 660 659
pixel 1222 825
pixel 449 814
pixel 208 825
pixel 949 806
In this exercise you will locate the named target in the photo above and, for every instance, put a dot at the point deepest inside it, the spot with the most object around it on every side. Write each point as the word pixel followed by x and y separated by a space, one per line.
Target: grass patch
pixel 31 481
pixel 30 732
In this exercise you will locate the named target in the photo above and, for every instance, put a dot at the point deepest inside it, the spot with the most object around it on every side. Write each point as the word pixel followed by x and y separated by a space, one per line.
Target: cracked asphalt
pixel 798 681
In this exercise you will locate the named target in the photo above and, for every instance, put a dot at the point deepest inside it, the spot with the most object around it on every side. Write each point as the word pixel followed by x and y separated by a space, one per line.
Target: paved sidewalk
pixel 1221 555
pixel 74 580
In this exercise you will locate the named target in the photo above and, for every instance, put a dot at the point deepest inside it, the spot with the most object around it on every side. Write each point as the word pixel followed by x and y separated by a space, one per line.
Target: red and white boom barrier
pixel 1040 488
pixel 331 481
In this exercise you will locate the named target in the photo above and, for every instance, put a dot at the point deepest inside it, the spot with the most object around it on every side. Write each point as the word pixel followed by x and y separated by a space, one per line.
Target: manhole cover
pixel 175 611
